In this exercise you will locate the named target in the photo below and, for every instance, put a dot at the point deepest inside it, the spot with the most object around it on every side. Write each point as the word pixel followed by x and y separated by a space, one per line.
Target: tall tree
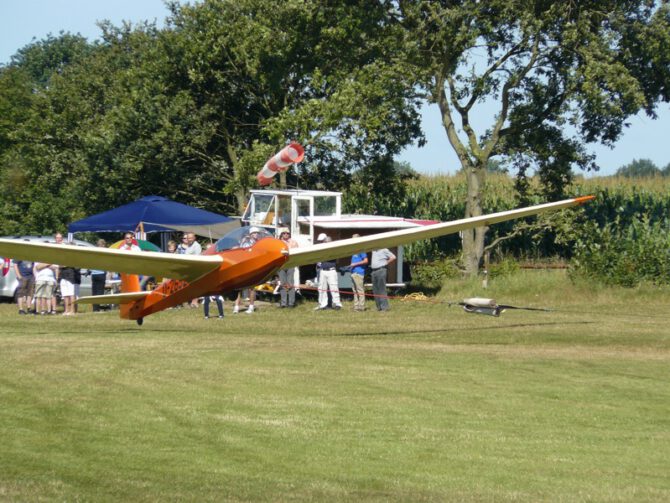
pixel 241 62
pixel 193 110
pixel 50 56
pixel 639 168
pixel 546 66
pixel 268 71
pixel 24 84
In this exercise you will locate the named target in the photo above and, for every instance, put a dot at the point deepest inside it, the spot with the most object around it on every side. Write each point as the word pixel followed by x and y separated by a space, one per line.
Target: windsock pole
pixel 291 154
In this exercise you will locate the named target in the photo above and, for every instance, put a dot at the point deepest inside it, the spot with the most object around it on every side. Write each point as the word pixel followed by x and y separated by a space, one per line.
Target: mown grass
pixel 424 403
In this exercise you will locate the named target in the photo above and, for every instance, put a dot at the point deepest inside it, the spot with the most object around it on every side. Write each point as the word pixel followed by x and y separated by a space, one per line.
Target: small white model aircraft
pixel 228 266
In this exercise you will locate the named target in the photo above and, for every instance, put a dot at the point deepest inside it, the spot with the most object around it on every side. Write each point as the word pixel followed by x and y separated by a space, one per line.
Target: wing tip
pixel 584 199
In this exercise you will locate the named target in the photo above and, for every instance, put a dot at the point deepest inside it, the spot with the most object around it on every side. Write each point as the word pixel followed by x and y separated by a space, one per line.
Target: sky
pixel 23 20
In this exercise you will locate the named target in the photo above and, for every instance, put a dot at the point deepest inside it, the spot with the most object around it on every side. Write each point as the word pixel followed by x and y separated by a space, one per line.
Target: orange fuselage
pixel 241 268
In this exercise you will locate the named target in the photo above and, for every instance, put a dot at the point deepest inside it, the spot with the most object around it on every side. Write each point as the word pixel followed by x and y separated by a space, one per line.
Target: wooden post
pixel 485 281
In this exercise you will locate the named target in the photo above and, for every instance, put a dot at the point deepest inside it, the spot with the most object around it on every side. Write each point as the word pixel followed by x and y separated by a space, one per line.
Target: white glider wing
pixel 160 265
pixel 346 247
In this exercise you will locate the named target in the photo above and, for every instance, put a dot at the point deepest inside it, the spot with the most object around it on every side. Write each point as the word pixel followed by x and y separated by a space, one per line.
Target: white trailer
pixel 307 213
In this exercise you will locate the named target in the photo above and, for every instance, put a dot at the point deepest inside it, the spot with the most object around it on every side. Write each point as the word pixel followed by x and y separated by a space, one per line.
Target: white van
pixel 9 283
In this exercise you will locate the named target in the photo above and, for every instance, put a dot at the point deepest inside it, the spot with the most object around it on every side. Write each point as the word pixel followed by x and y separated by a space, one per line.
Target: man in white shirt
pixel 287 276
pixel 328 280
pixel 192 247
pixel 45 283
pixel 129 243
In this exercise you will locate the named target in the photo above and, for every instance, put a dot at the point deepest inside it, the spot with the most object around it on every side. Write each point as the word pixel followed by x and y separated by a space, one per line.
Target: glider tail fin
pixel 130 283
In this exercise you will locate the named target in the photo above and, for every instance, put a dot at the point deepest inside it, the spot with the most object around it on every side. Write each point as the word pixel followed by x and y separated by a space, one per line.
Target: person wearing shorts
pixel 68 281
pixel 24 292
pixel 45 283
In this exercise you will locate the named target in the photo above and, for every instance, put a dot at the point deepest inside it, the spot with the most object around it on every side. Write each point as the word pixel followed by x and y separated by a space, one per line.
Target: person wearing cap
pixel 287 276
pixel 327 280
pixel 378 264
pixel 357 268
pixel 250 238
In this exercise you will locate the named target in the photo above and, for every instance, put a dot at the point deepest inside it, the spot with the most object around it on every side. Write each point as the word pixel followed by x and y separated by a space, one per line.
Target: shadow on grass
pixel 121 331
pixel 117 331
pixel 460 329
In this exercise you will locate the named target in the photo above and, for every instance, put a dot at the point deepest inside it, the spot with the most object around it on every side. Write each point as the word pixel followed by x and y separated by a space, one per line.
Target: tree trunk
pixel 241 197
pixel 233 161
pixel 473 239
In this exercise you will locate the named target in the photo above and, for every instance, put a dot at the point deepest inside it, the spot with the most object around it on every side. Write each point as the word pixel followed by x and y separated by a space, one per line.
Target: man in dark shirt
pixel 24 292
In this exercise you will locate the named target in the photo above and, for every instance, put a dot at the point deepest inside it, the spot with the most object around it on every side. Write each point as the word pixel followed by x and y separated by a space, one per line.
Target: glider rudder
pixel 130 283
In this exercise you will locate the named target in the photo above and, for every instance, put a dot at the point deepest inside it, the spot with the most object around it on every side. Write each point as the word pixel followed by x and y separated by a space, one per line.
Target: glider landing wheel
pixel 140 321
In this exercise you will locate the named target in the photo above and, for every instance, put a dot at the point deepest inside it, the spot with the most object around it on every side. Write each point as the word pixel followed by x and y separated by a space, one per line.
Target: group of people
pixel 40 280
pixel 327 279
pixel 188 246
pixel 328 283
pixel 39 283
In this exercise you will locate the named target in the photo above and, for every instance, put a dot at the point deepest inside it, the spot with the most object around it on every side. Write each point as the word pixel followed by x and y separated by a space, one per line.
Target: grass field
pixel 423 403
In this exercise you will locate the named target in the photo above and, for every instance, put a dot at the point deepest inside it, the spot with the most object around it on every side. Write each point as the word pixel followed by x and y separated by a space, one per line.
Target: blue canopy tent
pixel 156 214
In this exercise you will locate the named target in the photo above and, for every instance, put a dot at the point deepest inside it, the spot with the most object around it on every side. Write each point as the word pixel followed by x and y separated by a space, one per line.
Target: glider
pixel 229 265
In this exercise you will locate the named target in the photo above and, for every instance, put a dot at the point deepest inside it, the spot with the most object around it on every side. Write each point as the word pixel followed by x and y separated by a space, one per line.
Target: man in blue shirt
pixel 358 263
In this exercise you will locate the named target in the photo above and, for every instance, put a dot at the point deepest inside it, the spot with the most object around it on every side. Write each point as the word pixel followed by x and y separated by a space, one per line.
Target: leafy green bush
pixel 624 255
pixel 433 274
pixel 505 267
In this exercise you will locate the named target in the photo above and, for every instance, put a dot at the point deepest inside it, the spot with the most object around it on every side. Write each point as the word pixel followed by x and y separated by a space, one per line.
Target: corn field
pixel 621 207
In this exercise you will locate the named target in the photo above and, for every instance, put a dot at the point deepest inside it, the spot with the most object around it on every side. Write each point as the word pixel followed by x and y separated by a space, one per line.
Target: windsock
pixel 290 154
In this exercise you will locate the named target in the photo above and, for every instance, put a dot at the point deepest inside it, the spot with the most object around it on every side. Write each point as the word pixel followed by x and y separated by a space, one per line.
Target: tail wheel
pixel 140 321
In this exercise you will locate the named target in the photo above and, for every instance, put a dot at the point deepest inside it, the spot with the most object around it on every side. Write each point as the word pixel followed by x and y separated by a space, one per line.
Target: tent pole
pixel 142 234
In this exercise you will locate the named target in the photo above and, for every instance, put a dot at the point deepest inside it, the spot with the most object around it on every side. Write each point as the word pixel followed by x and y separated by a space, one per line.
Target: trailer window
pixel 325 206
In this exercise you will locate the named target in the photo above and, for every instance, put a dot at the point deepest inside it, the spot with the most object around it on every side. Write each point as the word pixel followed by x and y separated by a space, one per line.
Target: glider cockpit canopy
pixel 237 237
